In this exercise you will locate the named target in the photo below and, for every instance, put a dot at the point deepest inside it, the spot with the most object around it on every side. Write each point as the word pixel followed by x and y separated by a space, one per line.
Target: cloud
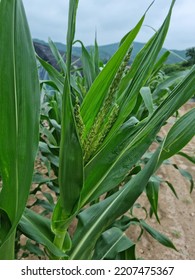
pixel 112 19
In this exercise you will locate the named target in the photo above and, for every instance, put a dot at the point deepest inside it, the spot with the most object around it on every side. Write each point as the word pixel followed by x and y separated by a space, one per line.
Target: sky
pixel 111 20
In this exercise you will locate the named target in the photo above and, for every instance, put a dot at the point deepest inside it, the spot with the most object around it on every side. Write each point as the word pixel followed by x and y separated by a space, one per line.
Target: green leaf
pixel 124 222
pixel 71 157
pixel 5 224
pixel 37 228
pixel 186 175
pixel 58 57
pixel 128 254
pixel 111 242
pixel 152 190
pixel 54 75
pixel 96 58
pixel 179 135
pixel 102 179
pixel 172 188
pixel 46 152
pixel 147 98
pixel 158 65
pixel 140 70
pixel 33 248
pixel 60 219
pixel 161 238
pixel 168 84
pixel 190 158
pixel 119 153
pixel 98 91
pixel 19 109
pixel 94 220
pixel 73 5
pixel 51 139
pixel 88 66
pixel 57 79
pixel 125 148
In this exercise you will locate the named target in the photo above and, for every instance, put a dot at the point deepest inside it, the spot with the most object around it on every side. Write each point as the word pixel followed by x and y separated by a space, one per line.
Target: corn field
pixel 95 131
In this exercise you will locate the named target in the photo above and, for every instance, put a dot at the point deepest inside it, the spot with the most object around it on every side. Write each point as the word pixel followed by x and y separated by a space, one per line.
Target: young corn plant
pixel 99 126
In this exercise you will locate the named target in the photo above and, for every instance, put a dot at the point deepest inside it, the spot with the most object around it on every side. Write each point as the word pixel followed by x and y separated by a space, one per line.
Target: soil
pixel 177 216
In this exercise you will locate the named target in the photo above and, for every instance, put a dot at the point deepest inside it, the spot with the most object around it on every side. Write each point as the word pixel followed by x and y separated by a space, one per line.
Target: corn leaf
pixel 111 242
pixel 147 98
pixel 73 5
pixel 141 69
pixel 158 65
pixel 71 157
pixel 161 238
pixel 58 57
pixel 88 66
pixel 118 156
pixel 19 109
pixel 96 58
pixel 97 93
pixel 94 220
pixel 38 228
pixel 172 188
pixel 152 190
pixel 170 82
pixel 179 135
pixel 190 158
pixel 54 75
pixel 186 175
pixel 128 254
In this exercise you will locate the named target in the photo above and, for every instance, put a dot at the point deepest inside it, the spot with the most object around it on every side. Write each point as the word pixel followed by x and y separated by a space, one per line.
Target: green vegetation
pixel 96 131
pixel 174 68
pixel 190 54
pixel 181 66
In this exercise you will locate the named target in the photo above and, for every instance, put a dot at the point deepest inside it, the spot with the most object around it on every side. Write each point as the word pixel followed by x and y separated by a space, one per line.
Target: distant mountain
pixel 106 51
pixel 43 50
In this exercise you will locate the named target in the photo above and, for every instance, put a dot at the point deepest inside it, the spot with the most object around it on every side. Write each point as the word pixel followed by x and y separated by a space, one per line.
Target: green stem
pixel 59 239
pixel 58 242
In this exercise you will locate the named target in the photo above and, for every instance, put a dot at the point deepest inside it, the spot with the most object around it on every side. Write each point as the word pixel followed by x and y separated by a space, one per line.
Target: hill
pixel 106 51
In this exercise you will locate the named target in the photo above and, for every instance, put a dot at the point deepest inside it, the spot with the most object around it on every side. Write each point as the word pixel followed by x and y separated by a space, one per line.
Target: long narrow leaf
pixel 112 242
pixel 179 135
pixel 190 158
pixel 140 70
pixel 38 228
pixel 124 149
pixel 152 190
pixel 158 236
pixel 54 75
pixel 19 109
pixel 99 88
pixel 94 220
pixel 58 57
pixel 87 65
pixel 71 158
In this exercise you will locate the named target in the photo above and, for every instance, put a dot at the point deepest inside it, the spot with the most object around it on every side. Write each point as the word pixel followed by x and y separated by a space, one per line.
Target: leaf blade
pixel 19 89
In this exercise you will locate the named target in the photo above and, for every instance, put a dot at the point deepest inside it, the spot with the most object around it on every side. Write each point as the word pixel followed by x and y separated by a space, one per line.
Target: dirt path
pixel 177 216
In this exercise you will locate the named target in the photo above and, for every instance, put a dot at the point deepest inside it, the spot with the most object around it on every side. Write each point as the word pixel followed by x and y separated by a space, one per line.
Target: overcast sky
pixel 112 19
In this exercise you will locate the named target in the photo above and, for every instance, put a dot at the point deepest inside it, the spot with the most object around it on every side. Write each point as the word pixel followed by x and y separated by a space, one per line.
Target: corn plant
pixel 100 125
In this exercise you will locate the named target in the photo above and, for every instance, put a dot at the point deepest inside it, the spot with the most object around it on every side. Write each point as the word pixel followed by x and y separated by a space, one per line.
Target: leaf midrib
pixel 16 107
